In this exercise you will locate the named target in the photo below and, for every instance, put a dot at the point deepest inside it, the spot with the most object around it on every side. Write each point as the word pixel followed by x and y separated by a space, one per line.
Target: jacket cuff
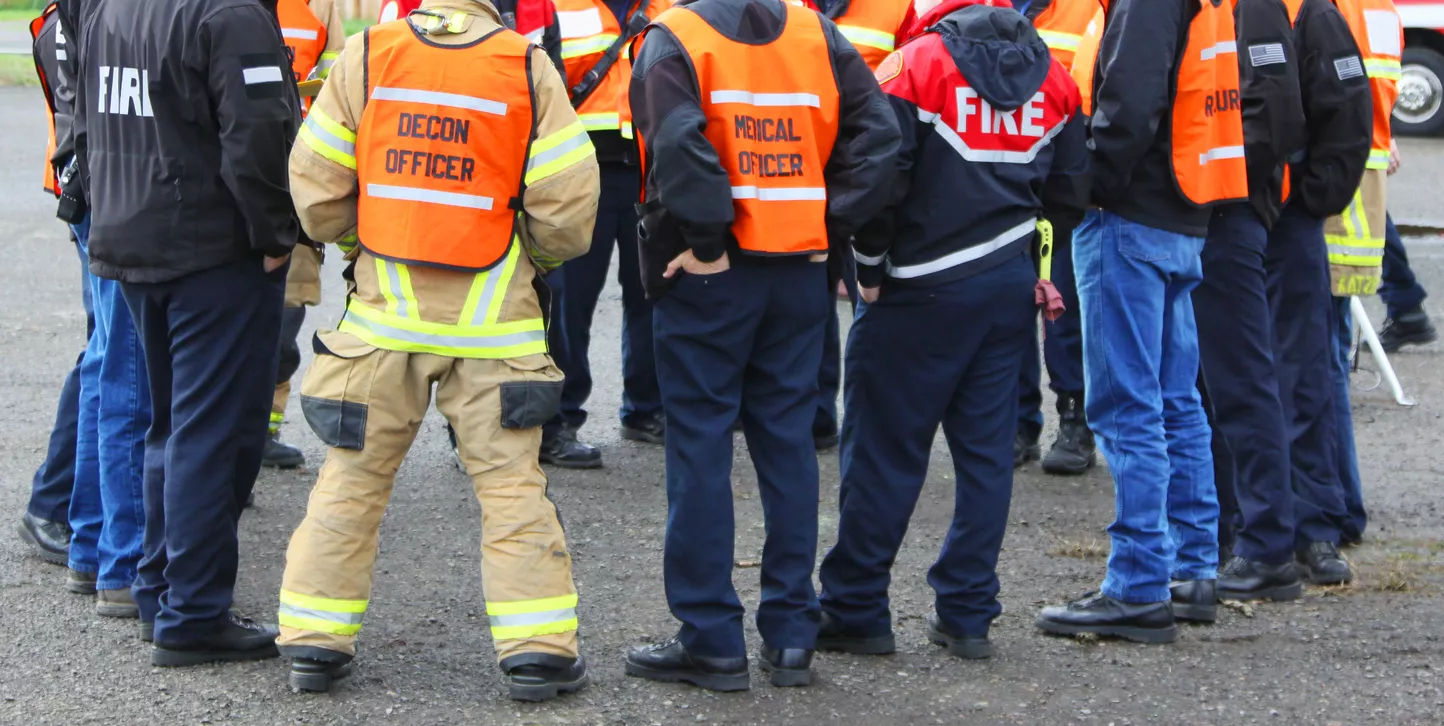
pixel 707 244
pixel 870 275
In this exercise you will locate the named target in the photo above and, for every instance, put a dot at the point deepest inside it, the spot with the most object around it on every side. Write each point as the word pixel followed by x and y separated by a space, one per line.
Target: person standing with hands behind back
pixel 185 115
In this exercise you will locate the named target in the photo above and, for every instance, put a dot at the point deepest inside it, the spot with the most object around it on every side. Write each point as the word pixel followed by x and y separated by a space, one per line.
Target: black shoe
pixel 80 583
pixel 1195 600
pixel 824 438
pixel 316 676
pixel 562 449
pixel 538 682
pixel 1411 328
pixel 788 667
pixel 959 646
pixel 669 662
pixel 146 632
pixel 1097 613
pixel 455 449
pixel 1244 579
pixel 1323 565
pixel 832 636
pixel 1025 448
pixel 1073 452
pixel 646 429
pixel 281 455
pixel 50 540
pixel 238 639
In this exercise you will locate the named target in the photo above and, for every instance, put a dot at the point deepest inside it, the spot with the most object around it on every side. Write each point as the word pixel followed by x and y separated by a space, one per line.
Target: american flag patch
pixel 1349 68
pixel 1266 54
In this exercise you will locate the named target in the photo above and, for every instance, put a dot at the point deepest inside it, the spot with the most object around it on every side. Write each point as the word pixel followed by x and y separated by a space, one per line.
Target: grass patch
pixel 1085 549
pixel 17 70
pixel 1401 572
pixel 356 25
pixel 20 9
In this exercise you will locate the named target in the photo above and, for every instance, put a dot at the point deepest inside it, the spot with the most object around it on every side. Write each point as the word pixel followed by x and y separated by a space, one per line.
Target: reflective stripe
pixel 627 130
pixel 412 194
pixel 321 614
pixel 300 33
pixel 600 121
pixel 455 100
pixel 520 632
pixel 396 287
pixel 966 255
pixel 586 46
pixel 532 618
pixel 557 152
pixel 994 156
pixel 482 306
pixel 502 340
pixel 323 65
pixel 786 194
pixel 1383 68
pixel 1222 47
pixel 1220 152
pixel 1372 254
pixel 864 259
pixel 1378 159
pixel 329 139
pixel 348 243
pixel 517 607
pixel 767 99
pixel 867 36
pixel 1060 41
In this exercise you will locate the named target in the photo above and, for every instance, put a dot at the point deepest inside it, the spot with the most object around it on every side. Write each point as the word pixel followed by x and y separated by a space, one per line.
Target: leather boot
pixel 50 540
pixel 669 662
pixel 530 680
pixel 1410 328
pixel 281 455
pixel 564 450
pixel 1073 452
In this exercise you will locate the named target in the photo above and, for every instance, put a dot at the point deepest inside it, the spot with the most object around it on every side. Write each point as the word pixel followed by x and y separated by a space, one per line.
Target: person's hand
pixel 689 263
pixel 868 294
pixel 1394 159
pixel 271 264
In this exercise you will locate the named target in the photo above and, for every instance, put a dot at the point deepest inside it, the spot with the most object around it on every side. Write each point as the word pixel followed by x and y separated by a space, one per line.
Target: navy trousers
pixel 1303 312
pixel 1236 346
pixel 917 358
pixel 211 341
pixel 747 341
pixel 50 489
pixel 829 375
pixel 578 284
pixel 1399 289
pixel 1062 342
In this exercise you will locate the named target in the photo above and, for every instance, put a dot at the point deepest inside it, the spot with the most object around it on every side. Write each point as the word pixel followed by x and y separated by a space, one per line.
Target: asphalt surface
pixel 1372 653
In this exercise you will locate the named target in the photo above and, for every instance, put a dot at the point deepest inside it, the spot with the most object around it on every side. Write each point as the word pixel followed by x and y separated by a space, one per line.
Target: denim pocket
pixel 1142 246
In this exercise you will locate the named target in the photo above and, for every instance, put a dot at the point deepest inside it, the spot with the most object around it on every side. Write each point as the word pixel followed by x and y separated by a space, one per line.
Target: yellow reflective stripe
pixel 600 121
pixel 317 625
pixel 522 607
pixel 493 306
pixel 1386 68
pixel 329 139
pixel 322 603
pixel 482 298
pixel 278 418
pixel 499 340
pixel 586 46
pixel 1060 41
pixel 1378 159
pixel 324 63
pixel 384 283
pixel 518 632
pixel 858 35
pixel 558 151
pixel 627 130
pixel 324 149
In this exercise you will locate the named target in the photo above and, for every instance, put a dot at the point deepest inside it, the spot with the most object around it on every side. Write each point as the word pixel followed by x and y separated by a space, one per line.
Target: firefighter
pixel 443 157
pixel 314 35
pixel 950 315
pixel 594 36
pixel 1163 154
pixel 1060 24
pixel 763 140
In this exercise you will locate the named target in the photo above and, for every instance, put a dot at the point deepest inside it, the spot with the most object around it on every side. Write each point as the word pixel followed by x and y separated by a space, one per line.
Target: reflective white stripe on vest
pixel 787 194
pixel 1220 152
pixel 964 256
pixel 412 194
pixel 1217 49
pixel 300 33
pixel 1060 41
pixel 455 100
pixel 767 99
pixel 587 46
pixel 993 156
pixel 867 36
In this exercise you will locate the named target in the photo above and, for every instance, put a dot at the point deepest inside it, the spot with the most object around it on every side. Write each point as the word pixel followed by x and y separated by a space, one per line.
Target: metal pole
pixel 1366 328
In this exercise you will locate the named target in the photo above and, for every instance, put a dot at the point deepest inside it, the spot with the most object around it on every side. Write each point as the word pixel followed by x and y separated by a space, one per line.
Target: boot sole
pixel 880 645
pixel 1313 579
pixel 571 464
pixel 1062 470
pixel 642 436
pixel 284 464
pixel 1281 593
pixel 967 650
pixel 1126 632
pixel 116 610
pixel 80 588
pixel 1415 339
pixel 709 681
pixel 318 682
pixel 1195 613
pixel 535 694
pixel 164 658
pixel 787 677
pixel 54 558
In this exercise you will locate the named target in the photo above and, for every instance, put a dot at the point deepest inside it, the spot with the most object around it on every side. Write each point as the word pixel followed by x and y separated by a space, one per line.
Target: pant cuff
pixel 1136 596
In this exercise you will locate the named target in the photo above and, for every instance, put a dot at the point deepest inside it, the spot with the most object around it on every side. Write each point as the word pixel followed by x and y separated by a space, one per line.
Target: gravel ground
pixel 1372 653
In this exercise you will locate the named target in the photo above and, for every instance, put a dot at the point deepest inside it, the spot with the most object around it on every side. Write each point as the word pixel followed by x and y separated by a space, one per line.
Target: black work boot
pixel 832 636
pixel 669 662
pixel 1073 452
pixel 562 449
pixel 787 667
pixel 238 639
pixel 646 429
pixel 1195 600
pixel 1323 565
pixel 1245 579
pixel 1102 615
pixel 531 677
pixel 1025 446
pixel 959 646
pixel 316 675
pixel 50 540
pixel 824 436
pixel 1410 328
pixel 281 455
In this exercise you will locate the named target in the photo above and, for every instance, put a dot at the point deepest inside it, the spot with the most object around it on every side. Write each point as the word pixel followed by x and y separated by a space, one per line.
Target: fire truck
pixel 1420 109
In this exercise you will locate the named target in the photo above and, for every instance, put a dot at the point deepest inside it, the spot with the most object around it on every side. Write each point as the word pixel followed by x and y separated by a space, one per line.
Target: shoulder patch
pixel 890 67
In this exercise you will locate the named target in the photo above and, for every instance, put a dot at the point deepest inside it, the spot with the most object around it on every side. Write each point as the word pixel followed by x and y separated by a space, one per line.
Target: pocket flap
pixel 339 344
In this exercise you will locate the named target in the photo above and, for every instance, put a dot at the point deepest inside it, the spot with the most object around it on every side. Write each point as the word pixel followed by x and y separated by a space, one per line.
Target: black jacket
pixel 925 231
pixel 1272 103
pixel 1340 110
pixel 185 165
pixel 689 198
pixel 52 57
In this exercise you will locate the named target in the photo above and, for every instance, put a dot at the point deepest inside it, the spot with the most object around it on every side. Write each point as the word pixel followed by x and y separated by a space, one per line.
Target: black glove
pixel 72 207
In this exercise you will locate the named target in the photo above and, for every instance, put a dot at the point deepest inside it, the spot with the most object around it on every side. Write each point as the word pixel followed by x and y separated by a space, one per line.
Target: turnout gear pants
pixel 303 287
pixel 367 405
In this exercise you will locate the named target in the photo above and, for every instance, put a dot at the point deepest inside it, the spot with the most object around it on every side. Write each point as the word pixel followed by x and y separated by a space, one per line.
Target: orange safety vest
pixel 1380 36
pixel 772 114
pixel 872 25
pixel 52 180
pixel 441 147
pixel 1062 26
pixel 305 37
pixel 1207 130
pixel 588 29
pixel 1088 53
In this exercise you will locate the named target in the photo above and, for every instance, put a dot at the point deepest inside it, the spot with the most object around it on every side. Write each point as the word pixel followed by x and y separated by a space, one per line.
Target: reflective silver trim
pixel 965 255
pixel 412 194
pixel 437 98
pixel 767 99
pixel 786 194
pixel 326 615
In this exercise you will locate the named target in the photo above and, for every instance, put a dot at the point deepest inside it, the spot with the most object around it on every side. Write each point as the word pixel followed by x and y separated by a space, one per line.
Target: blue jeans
pixel 1357 519
pixel 106 509
pixel 50 489
pixel 1140 365
pixel 1399 289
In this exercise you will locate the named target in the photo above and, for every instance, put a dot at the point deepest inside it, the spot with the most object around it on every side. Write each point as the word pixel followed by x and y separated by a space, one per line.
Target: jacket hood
pixel 996 48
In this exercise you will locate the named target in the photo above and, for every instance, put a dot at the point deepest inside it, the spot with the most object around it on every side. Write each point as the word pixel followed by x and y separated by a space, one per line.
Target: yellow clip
pixel 1045 250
